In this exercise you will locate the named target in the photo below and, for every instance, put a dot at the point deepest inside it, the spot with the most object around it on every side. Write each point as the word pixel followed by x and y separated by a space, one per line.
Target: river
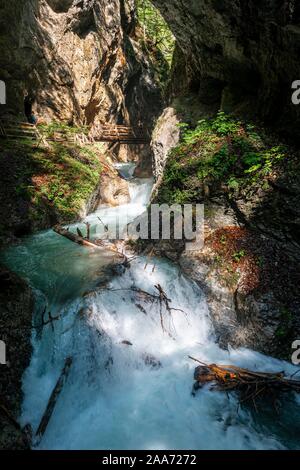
pixel 130 383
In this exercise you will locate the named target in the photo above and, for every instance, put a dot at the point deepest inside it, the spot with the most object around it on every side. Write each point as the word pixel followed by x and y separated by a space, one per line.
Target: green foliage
pixel 223 240
pixel 49 130
pixel 157 38
pixel 238 256
pixel 224 125
pixel 184 196
pixel 61 178
pixel 233 183
pixel 190 136
pixel 222 150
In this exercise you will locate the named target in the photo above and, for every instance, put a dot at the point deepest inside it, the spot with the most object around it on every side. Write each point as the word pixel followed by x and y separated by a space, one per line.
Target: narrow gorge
pixel 135 103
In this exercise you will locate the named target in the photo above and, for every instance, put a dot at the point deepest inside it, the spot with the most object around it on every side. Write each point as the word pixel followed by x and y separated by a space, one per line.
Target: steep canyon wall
pixel 82 59
pixel 244 54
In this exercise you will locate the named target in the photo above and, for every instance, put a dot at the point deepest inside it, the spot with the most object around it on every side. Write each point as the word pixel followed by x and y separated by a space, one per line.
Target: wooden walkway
pixel 118 133
pixel 14 130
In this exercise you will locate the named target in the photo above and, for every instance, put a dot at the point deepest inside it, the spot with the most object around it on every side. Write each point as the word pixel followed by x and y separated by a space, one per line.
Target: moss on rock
pixel 43 186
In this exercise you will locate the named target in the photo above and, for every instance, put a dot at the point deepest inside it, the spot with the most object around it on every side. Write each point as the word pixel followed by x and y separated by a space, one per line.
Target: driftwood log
pixel 96 245
pixel 53 399
pixel 76 238
pixel 252 385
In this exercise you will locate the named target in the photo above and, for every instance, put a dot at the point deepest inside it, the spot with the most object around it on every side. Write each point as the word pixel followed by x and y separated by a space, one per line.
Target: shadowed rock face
pixel 250 48
pixel 60 6
pixel 81 59
pixel 16 305
pixel 240 56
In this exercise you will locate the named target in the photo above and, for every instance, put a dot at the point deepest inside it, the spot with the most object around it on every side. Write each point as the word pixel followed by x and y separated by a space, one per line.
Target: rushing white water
pixel 137 394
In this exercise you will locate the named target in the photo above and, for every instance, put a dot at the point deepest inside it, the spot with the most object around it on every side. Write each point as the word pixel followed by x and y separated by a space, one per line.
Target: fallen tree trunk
pixel 251 384
pixel 53 398
pixel 75 238
pixel 98 245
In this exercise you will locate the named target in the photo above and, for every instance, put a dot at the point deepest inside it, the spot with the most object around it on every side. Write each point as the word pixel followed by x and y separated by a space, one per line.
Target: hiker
pixel 29 113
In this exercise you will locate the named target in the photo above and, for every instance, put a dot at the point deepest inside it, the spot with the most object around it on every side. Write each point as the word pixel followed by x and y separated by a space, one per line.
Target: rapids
pixel 130 383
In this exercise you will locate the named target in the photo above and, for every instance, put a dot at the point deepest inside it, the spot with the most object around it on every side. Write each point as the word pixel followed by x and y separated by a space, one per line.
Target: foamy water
pixel 137 394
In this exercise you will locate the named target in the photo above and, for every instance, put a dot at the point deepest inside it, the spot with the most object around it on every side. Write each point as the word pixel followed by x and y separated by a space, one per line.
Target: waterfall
pixel 130 383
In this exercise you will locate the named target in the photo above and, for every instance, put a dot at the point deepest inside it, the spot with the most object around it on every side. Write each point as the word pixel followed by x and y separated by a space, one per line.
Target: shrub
pixel 220 150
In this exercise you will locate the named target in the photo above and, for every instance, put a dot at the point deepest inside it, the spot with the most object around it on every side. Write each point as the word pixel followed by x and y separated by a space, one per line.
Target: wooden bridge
pixel 118 133
pixel 14 130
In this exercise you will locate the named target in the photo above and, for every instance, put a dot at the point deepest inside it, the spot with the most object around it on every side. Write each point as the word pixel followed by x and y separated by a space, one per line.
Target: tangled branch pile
pixel 161 299
pixel 251 385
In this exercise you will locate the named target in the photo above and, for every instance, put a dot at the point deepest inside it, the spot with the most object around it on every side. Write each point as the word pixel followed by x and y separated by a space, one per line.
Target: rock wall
pixel 165 136
pixel 82 59
pixel 244 53
pixel 257 306
pixel 254 302
pixel 241 57
pixel 16 305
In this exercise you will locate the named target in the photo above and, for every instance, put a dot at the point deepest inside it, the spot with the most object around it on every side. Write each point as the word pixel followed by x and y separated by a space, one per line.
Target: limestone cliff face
pixel 247 52
pixel 81 58
pixel 165 137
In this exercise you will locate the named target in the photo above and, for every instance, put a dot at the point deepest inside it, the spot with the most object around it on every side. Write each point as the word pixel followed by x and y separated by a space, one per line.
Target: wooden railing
pixel 118 133
pixel 15 130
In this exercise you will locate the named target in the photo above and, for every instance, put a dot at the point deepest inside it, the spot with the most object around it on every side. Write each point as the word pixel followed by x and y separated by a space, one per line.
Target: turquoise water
pixel 115 397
